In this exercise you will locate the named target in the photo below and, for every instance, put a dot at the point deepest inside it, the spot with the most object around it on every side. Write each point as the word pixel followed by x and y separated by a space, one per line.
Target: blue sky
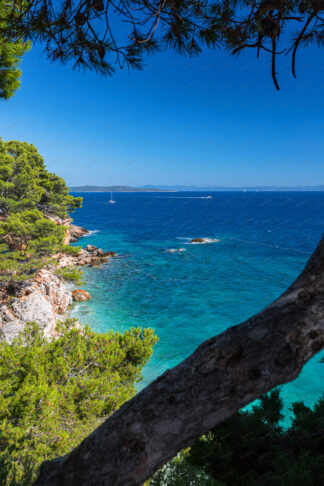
pixel 211 120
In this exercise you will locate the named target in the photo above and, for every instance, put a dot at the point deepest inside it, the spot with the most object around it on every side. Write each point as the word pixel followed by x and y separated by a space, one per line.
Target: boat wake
pixel 174 250
pixel 183 197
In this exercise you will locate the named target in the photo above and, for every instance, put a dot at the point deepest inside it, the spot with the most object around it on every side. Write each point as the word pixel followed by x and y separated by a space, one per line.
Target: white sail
pixel 111 199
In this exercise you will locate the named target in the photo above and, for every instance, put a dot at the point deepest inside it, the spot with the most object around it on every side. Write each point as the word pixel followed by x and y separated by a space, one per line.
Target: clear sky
pixel 212 120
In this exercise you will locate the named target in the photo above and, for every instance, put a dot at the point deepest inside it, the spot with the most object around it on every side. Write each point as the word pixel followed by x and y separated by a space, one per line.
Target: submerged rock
pixel 108 254
pixel 80 295
pixel 97 262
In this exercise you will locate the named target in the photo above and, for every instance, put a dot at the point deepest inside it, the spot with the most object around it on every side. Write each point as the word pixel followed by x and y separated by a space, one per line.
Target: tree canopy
pixel 98 34
pixel 30 230
pixel 11 52
pixel 55 393
pixel 32 202
pixel 25 183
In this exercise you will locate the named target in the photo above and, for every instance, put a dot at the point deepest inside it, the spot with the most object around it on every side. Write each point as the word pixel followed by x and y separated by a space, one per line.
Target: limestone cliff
pixel 46 297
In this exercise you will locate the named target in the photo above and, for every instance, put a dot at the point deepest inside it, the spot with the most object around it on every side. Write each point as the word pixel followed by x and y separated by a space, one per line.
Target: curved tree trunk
pixel 223 375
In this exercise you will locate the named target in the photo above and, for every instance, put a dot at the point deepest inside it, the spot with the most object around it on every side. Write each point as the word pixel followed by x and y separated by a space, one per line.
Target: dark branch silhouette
pixel 99 34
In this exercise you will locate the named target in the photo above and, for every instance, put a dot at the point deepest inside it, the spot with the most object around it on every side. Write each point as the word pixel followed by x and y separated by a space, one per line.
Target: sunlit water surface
pixel 265 239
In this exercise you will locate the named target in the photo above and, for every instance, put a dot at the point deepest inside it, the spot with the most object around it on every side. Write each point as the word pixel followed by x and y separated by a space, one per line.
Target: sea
pixel 258 244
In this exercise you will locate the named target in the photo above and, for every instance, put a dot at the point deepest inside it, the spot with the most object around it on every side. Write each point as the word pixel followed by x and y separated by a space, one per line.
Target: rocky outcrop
pixel 44 300
pixel 91 256
pixel 75 232
pixel 72 232
pixel 203 241
pixel 80 295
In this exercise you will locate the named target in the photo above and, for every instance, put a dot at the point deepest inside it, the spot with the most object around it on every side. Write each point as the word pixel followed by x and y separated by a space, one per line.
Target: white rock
pixel 44 302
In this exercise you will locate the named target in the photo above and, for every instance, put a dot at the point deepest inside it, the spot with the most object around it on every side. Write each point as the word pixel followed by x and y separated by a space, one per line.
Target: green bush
pixel 71 250
pixel 28 240
pixel 31 233
pixel 17 267
pixel 71 274
pixel 53 394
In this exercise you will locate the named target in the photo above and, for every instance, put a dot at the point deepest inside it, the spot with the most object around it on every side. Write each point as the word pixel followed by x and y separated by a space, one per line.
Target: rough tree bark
pixel 220 377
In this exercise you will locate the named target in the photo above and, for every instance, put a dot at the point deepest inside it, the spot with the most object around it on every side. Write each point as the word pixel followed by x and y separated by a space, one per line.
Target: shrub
pixel 71 250
pixel 72 274
pixel 53 394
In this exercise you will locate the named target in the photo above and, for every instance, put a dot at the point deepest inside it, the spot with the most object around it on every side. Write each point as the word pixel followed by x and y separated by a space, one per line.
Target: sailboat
pixel 111 199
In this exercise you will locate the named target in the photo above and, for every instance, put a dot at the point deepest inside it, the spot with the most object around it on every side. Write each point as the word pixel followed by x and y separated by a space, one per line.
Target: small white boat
pixel 111 201
pixel 209 197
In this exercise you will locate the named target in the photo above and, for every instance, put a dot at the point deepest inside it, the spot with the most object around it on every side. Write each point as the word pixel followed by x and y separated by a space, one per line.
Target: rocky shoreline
pixel 90 255
pixel 46 298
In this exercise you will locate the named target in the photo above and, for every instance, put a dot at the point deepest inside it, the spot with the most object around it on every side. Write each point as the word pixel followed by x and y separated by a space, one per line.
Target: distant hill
pixel 117 189
pixel 193 188
pixel 239 189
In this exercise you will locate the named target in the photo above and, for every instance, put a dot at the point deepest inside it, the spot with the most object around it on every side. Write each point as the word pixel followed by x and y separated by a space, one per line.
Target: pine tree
pixel 55 393
pixel 11 52
pixel 32 202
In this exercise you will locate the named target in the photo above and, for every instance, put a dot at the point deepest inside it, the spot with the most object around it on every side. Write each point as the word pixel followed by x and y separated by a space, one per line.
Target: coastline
pixel 47 297
pixel 122 192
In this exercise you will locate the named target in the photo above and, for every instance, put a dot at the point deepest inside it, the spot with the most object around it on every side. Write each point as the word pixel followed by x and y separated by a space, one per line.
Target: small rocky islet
pixel 203 241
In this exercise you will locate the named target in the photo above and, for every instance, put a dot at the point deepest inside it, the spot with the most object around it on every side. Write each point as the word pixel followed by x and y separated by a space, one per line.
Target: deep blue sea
pixel 265 239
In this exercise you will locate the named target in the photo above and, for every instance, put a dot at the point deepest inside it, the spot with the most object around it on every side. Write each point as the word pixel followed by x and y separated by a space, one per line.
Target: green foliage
pixel 26 184
pixel 252 449
pixel 88 33
pixel 29 231
pixel 17 267
pixel 71 250
pixel 71 274
pixel 11 52
pixel 31 200
pixel 53 394
pixel 180 472
pixel 29 239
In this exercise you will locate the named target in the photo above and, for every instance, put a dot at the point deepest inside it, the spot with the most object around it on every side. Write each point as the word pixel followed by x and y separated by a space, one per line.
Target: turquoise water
pixel 187 297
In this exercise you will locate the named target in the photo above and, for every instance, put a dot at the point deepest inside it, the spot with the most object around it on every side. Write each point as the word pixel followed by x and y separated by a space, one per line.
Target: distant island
pixel 117 189
pixel 194 188
pixel 238 189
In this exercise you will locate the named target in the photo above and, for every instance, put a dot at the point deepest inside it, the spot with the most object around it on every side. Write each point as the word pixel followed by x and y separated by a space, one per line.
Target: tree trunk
pixel 224 374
